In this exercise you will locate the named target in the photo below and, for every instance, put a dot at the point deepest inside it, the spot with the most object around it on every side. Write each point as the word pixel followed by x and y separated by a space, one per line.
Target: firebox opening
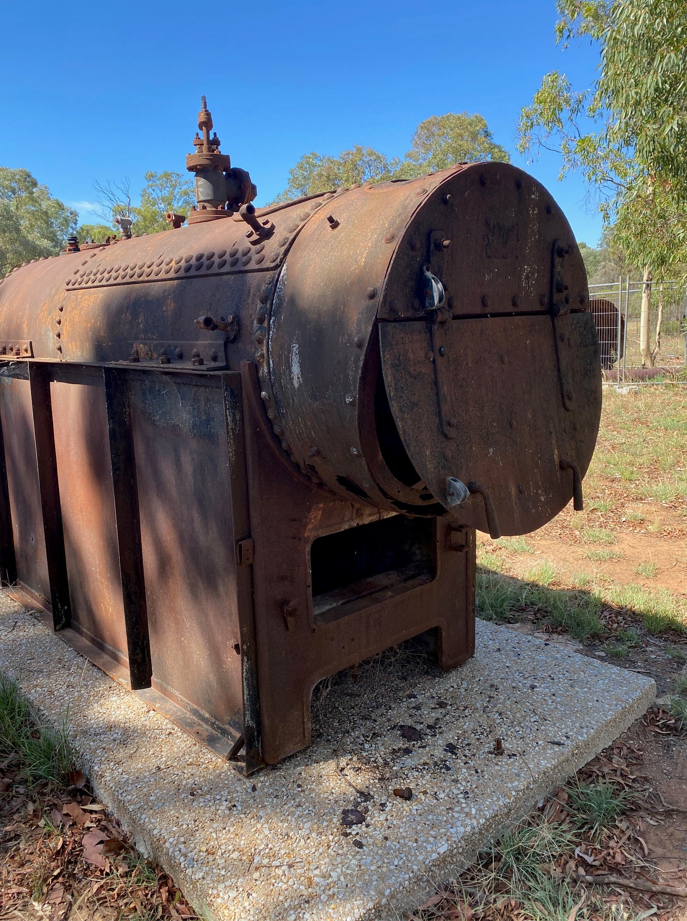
pixel 360 561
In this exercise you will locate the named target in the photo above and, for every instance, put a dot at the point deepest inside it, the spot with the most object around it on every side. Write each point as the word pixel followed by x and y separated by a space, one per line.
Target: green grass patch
pixel 501 597
pixel 617 650
pixel 676 652
pixel 597 806
pixel 658 608
pixel 45 755
pixel 598 536
pixel 635 516
pixel 515 544
pixel 681 685
pixel 678 710
pixel 603 555
pixel 543 573
pixel 648 570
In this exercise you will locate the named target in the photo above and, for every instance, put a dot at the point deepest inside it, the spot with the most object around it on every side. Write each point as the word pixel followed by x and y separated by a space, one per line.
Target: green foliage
pixel 163 192
pixel 627 132
pixel 33 224
pixel 45 755
pixel 442 141
pixel 93 233
pixel 439 142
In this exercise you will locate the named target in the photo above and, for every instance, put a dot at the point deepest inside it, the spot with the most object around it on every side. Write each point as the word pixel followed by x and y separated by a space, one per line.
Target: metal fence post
pixel 627 313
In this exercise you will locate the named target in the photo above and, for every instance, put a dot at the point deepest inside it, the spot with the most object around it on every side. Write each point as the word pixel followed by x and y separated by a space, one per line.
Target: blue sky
pixel 106 91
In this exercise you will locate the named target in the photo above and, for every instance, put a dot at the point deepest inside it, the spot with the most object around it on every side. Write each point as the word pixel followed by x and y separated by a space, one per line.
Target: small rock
pixel 358 843
pixel 403 792
pixel 352 817
pixel 410 733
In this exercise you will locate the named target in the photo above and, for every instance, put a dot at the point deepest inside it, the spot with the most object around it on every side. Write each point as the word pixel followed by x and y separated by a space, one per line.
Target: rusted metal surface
pixel 610 329
pixel 256 448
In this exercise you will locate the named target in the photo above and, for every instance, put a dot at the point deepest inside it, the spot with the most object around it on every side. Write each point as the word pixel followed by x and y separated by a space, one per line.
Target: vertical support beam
pixel 44 434
pixel 235 410
pixel 618 341
pixel 8 562
pixel 128 525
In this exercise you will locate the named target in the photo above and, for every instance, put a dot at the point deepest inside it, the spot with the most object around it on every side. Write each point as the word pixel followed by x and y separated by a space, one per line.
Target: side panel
pixel 22 481
pixel 90 537
pixel 183 469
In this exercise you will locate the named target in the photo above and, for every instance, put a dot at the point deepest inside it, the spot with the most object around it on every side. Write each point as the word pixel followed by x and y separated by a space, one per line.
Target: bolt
pixel 164 359
pixel 197 361
pixel 333 223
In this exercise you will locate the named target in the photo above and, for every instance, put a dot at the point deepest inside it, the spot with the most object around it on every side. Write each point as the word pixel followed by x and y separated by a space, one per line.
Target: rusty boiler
pixel 251 451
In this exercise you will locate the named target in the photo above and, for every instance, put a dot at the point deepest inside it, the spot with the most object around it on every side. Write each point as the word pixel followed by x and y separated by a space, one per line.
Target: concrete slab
pixel 274 847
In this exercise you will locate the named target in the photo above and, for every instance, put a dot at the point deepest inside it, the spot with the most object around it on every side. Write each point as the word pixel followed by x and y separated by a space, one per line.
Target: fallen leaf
pixel 76 812
pixel 77 779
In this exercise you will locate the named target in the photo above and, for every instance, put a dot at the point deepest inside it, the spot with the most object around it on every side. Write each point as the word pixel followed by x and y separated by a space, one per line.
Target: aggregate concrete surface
pixel 273 846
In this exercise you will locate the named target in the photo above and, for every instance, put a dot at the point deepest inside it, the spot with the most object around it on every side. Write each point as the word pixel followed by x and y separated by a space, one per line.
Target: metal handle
pixel 489 510
pixel 578 501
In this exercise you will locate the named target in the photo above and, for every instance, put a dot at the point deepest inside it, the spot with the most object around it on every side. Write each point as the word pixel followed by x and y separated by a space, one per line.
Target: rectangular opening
pixel 361 561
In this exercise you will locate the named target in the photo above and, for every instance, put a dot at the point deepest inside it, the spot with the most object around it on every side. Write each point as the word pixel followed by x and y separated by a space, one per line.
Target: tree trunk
pixel 644 326
pixel 659 324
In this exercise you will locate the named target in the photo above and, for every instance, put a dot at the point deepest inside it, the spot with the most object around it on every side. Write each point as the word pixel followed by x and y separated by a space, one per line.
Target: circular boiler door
pixel 490 357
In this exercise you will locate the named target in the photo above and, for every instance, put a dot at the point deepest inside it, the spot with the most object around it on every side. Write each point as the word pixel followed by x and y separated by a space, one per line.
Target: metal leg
pixel 8 563
pixel 128 528
pixel 41 406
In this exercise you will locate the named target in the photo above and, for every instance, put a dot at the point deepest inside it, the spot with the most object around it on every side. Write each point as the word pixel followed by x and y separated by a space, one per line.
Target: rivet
pixel 285 445
pixel 233 261
pixel 485 300
pixel 271 414
pixel 233 251
pixel 313 451
pixel 246 259
pixel 259 248
pixel 261 316
pixel 442 351
pixel 542 300
pixel 429 355
pixel 221 263
pixel 521 489
pixel 518 183
pixel 371 293
pixel 277 429
pixel 350 398
pixel 447 198
pixel 260 355
pixel 283 241
pixel 260 336
pixel 187 267
pixel 390 237
pixel 265 397
pixel 263 297
pixel 58 320
pixel 58 334
pixel 164 359
pixel 513 423
pixel 186 259
pixel 167 262
pixel 152 262
pixel 179 353
pixel 195 354
pixel 221 253
pixel 214 355
pixel 59 347
pixel 274 257
pixel 359 342
pixel 245 251
pixel 355 452
pixel 292 229
pixel 515 300
pixel 208 266
pixel 259 258
pixel 482 179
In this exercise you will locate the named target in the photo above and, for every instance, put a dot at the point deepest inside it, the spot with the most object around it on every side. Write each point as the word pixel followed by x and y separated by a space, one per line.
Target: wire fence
pixel 617 309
